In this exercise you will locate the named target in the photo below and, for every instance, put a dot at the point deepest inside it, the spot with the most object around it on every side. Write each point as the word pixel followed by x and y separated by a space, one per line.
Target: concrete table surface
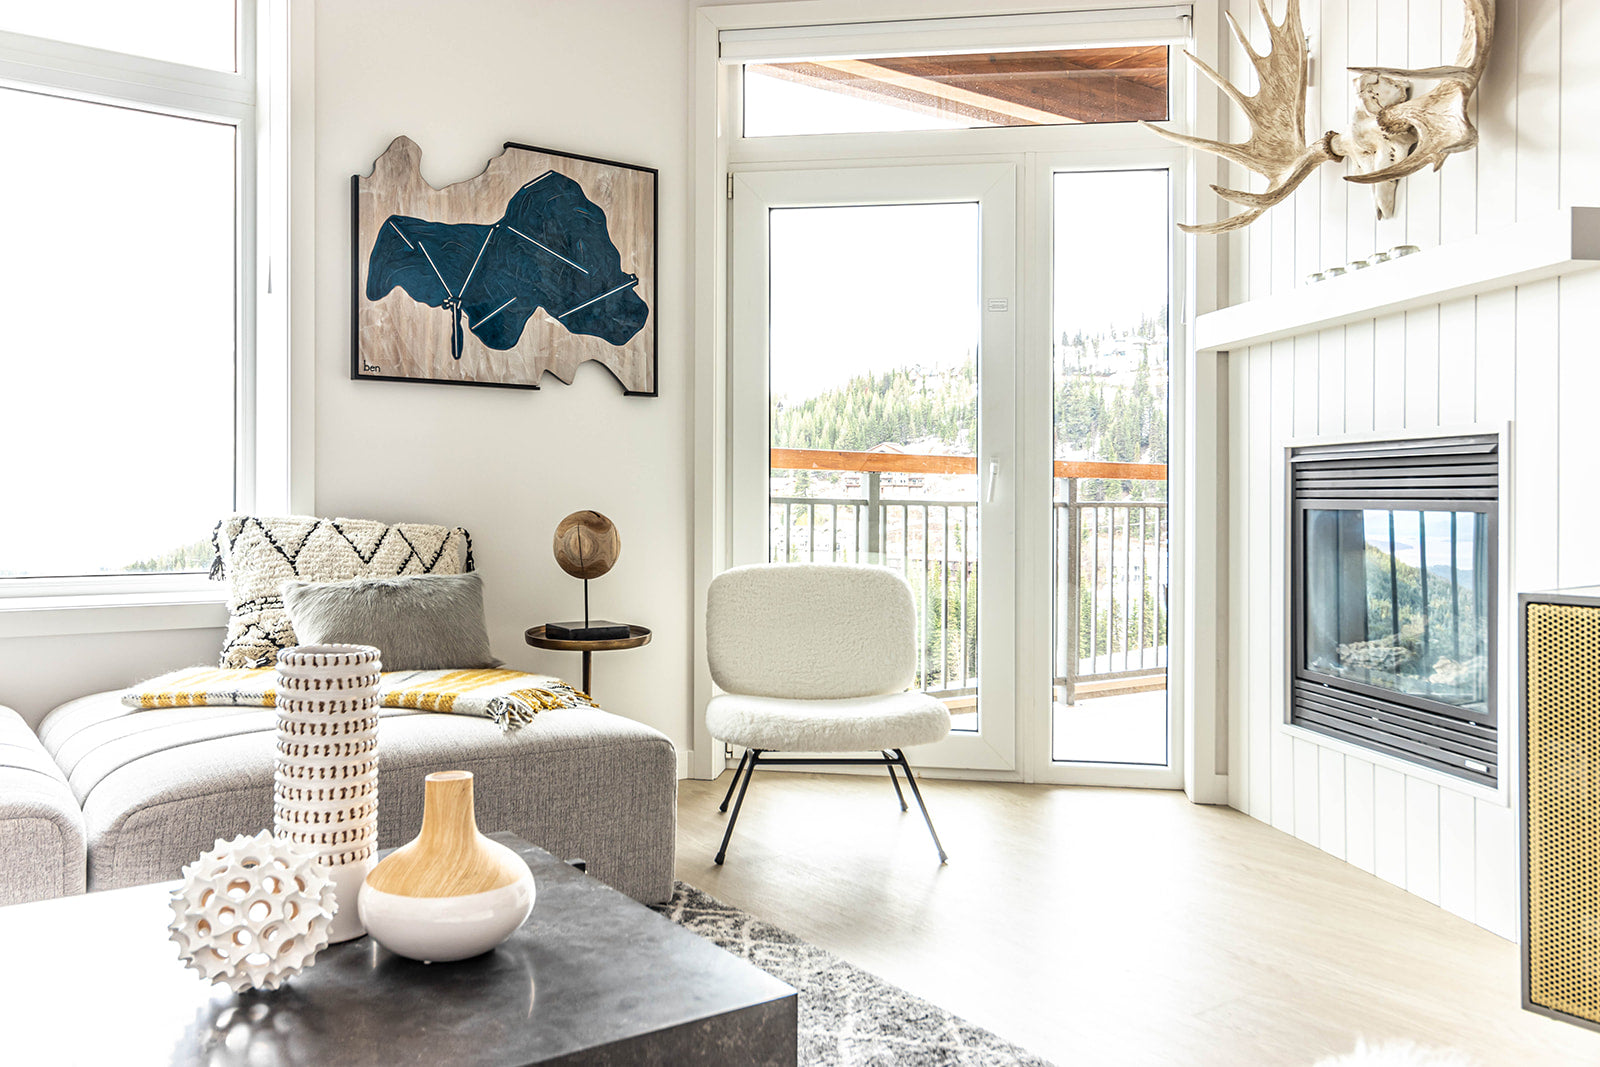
pixel 591 978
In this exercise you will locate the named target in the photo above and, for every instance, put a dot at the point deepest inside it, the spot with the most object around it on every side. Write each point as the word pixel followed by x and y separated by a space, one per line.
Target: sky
pixel 103 471
pixel 197 32
pixel 866 289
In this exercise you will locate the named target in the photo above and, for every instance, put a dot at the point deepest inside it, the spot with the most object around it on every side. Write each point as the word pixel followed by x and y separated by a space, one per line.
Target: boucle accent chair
pixel 817 658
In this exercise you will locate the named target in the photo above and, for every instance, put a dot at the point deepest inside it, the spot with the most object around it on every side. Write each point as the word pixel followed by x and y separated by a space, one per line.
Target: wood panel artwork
pixel 543 261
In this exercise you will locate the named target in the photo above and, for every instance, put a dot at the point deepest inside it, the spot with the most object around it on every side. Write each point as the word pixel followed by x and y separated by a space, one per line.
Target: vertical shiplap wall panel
pixel 1538 106
pixel 1358 812
pixel 1578 462
pixel 1358 380
pixel 1307 821
pixel 1306 380
pixel 1458 362
pixel 1495 859
pixel 1330 801
pixel 1389 373
pixel 1496 346
pixel 1330 381
pixel 1389 825
pixel 1422 369
pixel 1536 457
pixel 1580 102
pixel 1422 839
pixel 1458 829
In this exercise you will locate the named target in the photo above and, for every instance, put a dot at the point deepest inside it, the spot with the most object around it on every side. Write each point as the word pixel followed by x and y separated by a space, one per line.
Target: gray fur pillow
pixel 418 622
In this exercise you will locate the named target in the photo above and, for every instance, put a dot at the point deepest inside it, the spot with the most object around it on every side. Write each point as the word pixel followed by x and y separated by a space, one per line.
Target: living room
pixel 1227 761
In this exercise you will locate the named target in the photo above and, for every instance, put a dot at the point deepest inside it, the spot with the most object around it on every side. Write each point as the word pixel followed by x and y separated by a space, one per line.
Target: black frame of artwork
pixel 357 369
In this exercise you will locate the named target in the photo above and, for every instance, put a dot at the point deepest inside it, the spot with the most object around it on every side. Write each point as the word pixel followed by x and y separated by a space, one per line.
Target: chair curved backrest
pixel 811 631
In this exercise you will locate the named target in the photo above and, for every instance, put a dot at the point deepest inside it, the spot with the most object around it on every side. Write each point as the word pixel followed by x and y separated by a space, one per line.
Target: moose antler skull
pixel 1393 136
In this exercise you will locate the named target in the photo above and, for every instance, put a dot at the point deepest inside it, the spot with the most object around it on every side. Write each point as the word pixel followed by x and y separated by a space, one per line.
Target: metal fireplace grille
pixel 1351 653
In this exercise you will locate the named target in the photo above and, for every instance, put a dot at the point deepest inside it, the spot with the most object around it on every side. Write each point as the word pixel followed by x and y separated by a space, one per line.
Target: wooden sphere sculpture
pixel 587 544
pixel 253 912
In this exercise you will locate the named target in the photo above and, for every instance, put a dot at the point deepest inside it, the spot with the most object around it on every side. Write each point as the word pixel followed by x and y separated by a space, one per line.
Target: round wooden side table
pixel 637 635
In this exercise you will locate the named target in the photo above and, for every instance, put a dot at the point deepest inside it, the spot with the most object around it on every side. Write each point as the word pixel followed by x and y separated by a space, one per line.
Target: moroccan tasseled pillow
pixel 257 555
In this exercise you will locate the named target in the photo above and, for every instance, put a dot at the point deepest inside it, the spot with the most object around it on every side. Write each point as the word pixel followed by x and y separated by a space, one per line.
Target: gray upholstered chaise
pixel 42 851
pixel 157 787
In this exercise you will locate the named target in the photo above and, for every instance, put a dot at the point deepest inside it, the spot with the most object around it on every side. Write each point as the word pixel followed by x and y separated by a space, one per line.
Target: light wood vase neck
pixel 449 858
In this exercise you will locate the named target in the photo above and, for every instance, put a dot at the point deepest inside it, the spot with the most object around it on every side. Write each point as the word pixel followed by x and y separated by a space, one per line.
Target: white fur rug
pixel 1399 1054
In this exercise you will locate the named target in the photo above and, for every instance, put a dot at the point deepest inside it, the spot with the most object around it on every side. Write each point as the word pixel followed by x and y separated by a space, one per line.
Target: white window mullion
pixel 94 74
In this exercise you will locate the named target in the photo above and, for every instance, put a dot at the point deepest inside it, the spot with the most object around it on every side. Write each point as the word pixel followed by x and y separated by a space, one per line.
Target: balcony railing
pixel 1112 556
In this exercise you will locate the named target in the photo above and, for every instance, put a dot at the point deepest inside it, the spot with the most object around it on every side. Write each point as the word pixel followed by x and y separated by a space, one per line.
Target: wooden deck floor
pixel 1101 926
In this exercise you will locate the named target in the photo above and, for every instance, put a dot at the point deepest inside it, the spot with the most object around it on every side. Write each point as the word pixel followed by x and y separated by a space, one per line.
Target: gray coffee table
pixel 591 978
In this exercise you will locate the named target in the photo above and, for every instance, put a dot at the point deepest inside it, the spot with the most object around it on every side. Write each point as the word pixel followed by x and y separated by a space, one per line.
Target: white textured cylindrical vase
pixel 326 781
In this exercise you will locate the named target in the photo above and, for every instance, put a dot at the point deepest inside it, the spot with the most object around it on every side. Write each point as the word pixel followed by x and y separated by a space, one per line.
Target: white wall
pixel 1522 356
pixel 607 78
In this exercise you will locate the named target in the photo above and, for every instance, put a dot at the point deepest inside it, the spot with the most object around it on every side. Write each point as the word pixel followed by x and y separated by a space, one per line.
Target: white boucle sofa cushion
pixel 857 724
pixel 815 631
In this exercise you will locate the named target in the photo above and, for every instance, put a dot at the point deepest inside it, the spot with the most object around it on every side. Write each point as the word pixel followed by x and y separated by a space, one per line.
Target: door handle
pixel 994 476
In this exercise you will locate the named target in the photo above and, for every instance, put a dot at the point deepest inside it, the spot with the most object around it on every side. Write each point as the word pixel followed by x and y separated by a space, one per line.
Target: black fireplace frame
pixel 1458 473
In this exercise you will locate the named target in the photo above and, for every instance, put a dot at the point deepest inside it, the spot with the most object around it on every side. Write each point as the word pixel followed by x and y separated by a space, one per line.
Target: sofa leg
pixel 752 758
pixel 888 761
pixel 737 771
pixel 905 766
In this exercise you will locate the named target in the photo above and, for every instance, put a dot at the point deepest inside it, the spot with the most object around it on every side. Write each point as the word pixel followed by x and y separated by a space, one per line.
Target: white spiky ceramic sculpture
pixel 253 912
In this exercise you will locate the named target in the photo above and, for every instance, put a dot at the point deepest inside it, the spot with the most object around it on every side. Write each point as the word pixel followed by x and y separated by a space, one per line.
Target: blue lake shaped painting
pixel 550 282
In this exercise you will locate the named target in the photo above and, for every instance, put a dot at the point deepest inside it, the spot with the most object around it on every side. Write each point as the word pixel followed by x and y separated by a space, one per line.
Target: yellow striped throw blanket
pixel 510 698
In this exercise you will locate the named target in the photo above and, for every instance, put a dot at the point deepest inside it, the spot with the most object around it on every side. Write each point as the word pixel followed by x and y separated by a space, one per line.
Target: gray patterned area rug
pixel 848 1017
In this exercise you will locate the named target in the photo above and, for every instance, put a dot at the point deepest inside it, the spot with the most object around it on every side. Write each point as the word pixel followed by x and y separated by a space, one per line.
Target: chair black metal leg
pixel 736 773
pixel 888 761
pixel 754 757
pixel 910 780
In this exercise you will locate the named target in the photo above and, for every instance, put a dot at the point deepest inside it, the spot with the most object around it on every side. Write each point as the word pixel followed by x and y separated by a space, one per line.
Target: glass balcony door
pixel 1112 357
pixel 874 395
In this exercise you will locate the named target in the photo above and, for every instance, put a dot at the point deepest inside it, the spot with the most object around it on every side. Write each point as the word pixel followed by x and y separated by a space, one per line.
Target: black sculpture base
pixel 577 630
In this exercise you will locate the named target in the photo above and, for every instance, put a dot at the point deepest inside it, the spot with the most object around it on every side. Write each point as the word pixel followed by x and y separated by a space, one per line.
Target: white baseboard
pixel 685 761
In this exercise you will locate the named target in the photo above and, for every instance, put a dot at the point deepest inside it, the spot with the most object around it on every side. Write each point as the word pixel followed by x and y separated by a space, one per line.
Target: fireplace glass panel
pixel 1399 600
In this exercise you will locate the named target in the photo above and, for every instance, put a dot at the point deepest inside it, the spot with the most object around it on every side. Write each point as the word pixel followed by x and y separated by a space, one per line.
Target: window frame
pixel 72 71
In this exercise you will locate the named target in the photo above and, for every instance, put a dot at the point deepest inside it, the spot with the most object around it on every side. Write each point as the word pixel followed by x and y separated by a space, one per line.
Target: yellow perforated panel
pixel 1563 765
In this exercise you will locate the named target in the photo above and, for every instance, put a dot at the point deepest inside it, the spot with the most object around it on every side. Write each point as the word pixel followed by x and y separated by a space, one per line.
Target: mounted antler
pixel 1276 148
pixel 1438 119
pixel 1436 122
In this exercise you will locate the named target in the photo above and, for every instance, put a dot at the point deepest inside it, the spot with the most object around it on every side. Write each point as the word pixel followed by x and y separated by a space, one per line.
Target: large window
pixel 125 260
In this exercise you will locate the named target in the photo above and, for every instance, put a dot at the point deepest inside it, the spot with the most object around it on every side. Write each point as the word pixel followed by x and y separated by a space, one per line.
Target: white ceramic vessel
pixel 451 893
pixel 326 795
pixel 440 929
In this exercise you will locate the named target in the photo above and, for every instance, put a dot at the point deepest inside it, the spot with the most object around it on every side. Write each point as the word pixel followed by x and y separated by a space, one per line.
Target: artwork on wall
pixel 541 262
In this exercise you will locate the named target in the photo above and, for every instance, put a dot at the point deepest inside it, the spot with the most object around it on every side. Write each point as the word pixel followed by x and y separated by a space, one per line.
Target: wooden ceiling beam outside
pixel 1004 89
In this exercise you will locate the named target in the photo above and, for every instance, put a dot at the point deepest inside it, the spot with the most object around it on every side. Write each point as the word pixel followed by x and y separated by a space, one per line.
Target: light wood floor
pixel 1101 926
